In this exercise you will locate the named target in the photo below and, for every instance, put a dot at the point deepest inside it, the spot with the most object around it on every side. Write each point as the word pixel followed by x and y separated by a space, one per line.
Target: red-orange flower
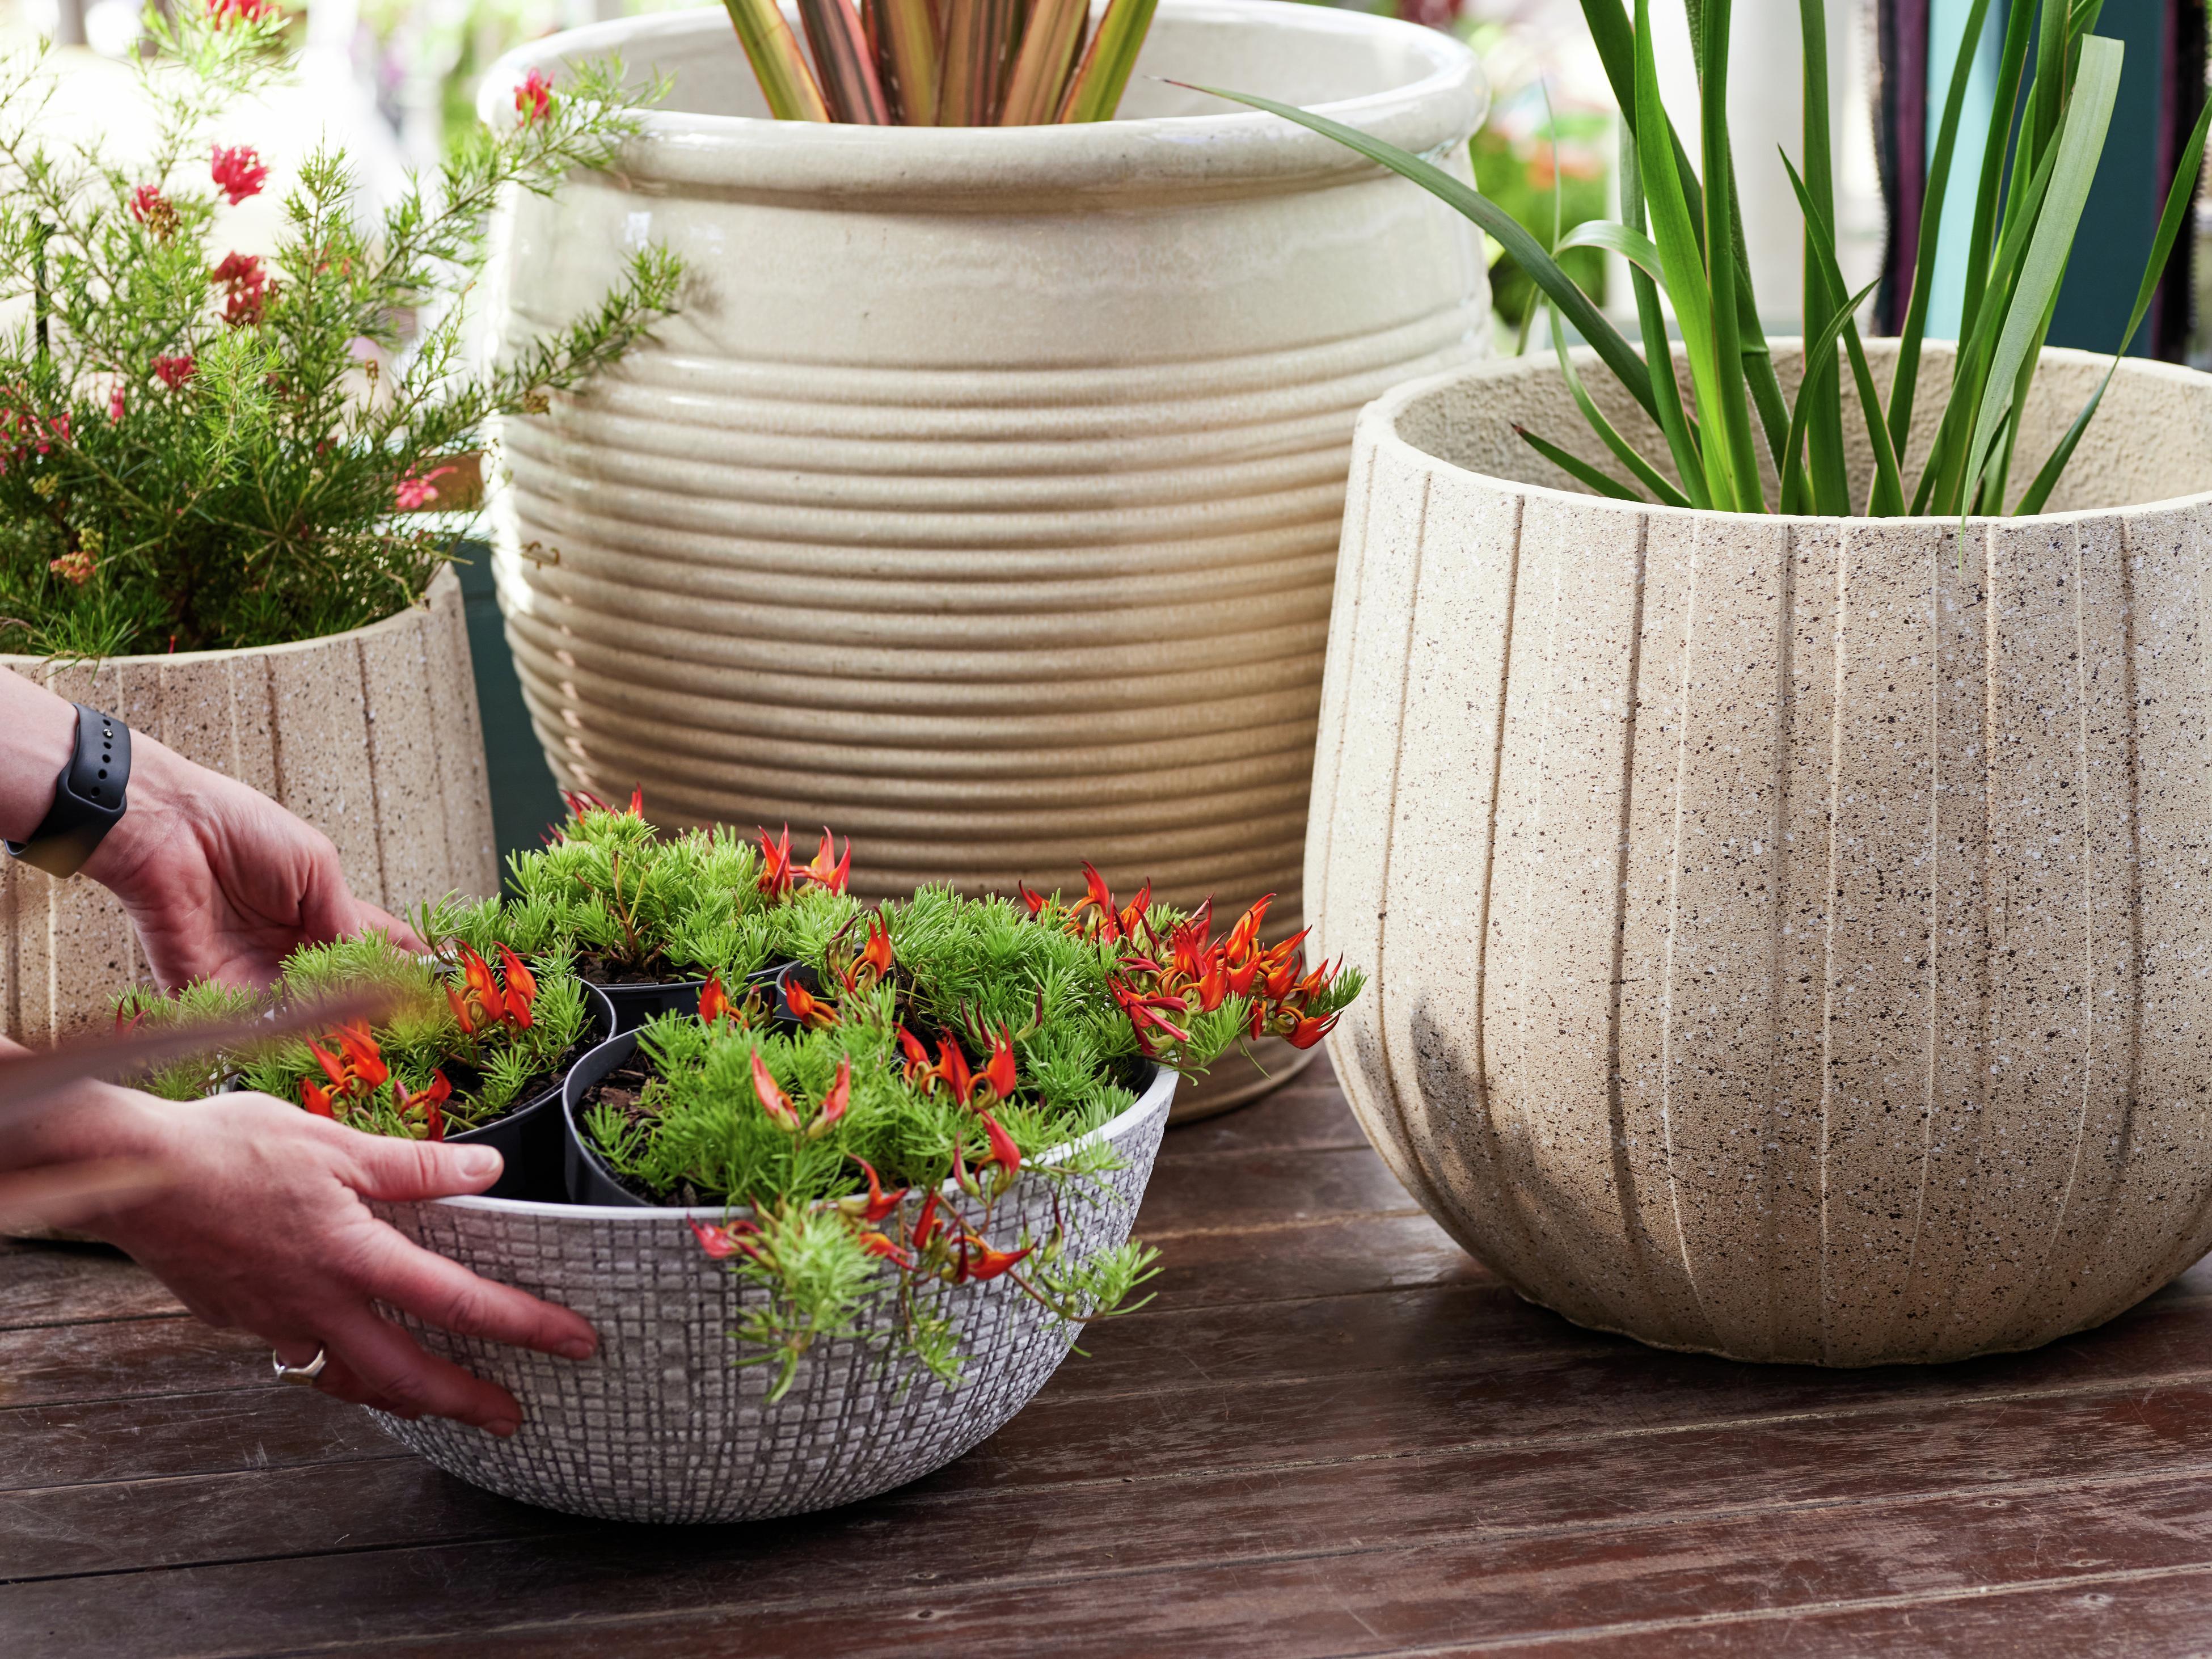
pixel 713 1001
pixel 773 1100
pixel 777 876
pixel 521 989
pixel 878 1203
pixel 1306 1031
pixel 877 1244
pixel 833 1103
pixel 979 1261
pixel 477 1001
pixel 1004 1152
pixel 355 1071
pixel 720 1243
pixel 823 871
pixel 874 964
pixel 999 1071
pixel 805 1007
pixel 425 1105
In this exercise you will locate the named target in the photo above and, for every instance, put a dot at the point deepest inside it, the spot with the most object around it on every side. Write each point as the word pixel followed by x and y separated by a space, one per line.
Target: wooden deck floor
pixel 1332 1434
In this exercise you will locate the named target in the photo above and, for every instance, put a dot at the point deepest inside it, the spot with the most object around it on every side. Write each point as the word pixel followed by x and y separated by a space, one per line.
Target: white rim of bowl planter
pixel 915 165
pixel 1156 1096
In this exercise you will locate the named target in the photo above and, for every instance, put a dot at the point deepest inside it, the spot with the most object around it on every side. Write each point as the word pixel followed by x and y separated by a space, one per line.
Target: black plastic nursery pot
pixel 530 1138
pixel 634 1005
pixel 586 1177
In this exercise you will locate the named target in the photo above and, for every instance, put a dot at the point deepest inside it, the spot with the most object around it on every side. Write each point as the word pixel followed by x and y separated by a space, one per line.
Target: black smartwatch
pixel 87 797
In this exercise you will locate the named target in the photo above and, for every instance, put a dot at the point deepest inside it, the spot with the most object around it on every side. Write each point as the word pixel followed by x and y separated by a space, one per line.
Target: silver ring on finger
pixel 304 1375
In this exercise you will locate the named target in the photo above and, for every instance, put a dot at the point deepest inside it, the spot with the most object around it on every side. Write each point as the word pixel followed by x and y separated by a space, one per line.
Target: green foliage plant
pixel 437 1065
pixel 863 1138
pixel 634 906
pixel 1681 236
pixel 197 446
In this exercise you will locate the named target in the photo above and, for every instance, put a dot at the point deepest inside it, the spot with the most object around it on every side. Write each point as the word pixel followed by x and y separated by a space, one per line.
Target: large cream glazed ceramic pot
pixel 983 500
pixel 1789 937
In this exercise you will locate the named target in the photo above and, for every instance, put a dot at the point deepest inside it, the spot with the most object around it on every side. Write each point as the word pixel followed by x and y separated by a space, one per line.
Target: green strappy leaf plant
pixel 1681 234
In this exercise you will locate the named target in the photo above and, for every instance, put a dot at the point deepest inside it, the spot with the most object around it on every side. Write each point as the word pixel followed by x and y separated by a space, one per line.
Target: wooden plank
pixel 1266 1189
pixel 55 1284
pixel 1333 1255
pixel 161 1435
pixel 1308 1114
pixel 1108 1570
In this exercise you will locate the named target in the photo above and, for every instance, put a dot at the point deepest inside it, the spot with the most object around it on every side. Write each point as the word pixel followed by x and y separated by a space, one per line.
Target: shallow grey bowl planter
pixel 662 1426
pixel 1790 937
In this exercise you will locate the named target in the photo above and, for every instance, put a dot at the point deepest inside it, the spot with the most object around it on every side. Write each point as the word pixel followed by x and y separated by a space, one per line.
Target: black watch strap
pixel 88 797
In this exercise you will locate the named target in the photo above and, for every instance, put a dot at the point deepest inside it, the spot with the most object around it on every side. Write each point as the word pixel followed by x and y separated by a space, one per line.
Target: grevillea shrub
pixel 473 1037
pixel 201 448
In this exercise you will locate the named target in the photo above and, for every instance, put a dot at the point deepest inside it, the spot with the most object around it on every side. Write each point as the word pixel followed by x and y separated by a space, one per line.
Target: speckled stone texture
pixel 1792 938
pixel 372 736
pixel 663 1425
pixel 983 500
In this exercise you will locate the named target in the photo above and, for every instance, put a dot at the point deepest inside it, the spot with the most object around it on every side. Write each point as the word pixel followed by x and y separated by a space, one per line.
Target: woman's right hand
pixel 261 1226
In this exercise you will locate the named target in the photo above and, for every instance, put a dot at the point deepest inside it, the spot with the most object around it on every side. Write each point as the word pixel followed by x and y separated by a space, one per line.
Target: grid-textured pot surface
pixel 663 1425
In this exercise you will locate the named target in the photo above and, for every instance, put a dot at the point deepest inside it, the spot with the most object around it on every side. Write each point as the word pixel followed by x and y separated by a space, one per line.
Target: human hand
pixel 219 881
pixel 261 1226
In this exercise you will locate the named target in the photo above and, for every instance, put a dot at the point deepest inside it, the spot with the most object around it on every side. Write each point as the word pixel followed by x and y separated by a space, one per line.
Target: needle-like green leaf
pixel 1820 357
pixel 1887 499
pixel 1666 395
pixel 1734 409
pixel 1646 474
pixel 1577 468
pixel 1676 235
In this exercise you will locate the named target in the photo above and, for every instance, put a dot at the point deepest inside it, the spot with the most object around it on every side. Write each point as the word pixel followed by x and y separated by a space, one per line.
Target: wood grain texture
pixel 1332 1434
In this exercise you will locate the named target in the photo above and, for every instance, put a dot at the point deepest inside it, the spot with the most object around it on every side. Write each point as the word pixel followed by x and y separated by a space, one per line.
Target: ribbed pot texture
pixel 372 736
pixel 982 502
pixel 1789 935
pixel 663 1425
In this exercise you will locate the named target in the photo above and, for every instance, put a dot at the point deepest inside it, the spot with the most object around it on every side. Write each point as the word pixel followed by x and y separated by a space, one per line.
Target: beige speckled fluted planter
pixel 983 502
pixel 372 736
pixel 1790 940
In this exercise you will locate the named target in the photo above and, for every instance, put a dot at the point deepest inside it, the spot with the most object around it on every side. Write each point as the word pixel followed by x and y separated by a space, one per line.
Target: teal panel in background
pixel 2121 220
pixel 524 800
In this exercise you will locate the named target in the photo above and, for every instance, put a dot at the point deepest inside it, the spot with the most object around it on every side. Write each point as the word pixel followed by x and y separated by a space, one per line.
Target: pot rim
pixel 414 610
pixel 1378 424
pixel 1157 1097
pixel 1177 152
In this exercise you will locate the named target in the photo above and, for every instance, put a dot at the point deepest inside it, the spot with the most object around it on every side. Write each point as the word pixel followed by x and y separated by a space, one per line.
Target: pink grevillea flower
pixel 238 173
pixel 248 288
pixel 116 405
pixel 146 201
pixel 76 569
pixel 173 372
pixel 222 13
pixel 533 98
pixel 417 491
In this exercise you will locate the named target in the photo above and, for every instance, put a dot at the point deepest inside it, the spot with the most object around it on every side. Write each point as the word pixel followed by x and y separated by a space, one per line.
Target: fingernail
pixel 479 1162
pixel 502 1426
pixel 577 1348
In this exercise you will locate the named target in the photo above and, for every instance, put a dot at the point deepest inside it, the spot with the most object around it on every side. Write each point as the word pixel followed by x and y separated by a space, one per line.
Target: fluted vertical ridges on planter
pixel 372 736
pixel 1789 935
